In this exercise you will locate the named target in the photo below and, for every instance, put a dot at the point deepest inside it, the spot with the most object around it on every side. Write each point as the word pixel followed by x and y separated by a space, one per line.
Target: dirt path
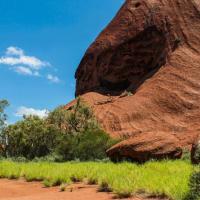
pixel 20 190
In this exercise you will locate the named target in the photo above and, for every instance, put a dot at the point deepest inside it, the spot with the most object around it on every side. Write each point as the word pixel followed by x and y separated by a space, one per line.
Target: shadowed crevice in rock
pixel 128 65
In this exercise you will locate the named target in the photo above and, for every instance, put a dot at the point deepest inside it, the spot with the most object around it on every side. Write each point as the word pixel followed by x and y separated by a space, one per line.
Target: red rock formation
pixel 143 147
pixel 152 49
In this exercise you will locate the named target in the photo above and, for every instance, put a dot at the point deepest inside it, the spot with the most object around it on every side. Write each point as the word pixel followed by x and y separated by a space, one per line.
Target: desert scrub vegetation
pixel 163 178
pixel 194 193
pixel 64 135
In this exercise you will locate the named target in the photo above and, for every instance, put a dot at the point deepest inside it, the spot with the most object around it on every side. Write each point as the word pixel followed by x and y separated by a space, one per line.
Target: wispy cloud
pixel 24 111
pixel 26 71
pixel 19 62
pixel 53 79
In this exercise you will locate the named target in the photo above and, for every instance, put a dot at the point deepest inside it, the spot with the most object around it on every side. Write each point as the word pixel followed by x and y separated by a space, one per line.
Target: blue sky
pixel 42 43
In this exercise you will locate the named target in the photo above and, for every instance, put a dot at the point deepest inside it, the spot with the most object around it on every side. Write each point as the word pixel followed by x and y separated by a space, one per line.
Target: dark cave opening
pixel 137 4
pixel 128 65
pixel 115 86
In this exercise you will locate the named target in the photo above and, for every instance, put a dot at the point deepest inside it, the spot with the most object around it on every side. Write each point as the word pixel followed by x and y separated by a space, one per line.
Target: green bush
pixel 76 120
pixel 64 135
pixel 30 138
pixel 195 154
pixel 88 145
pixel 194 184
pixel 80 136
pixel 186 155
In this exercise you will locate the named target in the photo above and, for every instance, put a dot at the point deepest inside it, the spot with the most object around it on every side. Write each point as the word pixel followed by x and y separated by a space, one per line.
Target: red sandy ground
pixel 20 190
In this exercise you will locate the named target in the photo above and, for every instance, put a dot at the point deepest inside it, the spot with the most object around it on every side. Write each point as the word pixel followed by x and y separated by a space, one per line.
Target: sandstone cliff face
pixel 152 49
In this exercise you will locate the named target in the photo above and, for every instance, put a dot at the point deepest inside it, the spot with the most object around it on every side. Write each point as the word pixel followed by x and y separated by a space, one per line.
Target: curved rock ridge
pixel 142 73
pixel 143 147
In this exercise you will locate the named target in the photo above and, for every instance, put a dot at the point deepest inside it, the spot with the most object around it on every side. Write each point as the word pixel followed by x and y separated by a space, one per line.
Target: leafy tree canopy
pixel 3 116
pixel 66 134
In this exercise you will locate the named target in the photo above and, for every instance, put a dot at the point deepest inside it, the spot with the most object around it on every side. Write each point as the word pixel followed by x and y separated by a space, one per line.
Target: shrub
pixel 30 138
pixel 186 155
pixel 195 153
pixel 124 194
pixel 47 183
pixel 194 184
pixel 88 145
pixel 64 135
pixel 92 181
pixel 104 187
pixel 72 121
pixel 62 187
pixel 81 137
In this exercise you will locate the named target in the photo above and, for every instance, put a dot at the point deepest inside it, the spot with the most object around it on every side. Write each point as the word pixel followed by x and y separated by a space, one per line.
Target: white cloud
pixel 23 64
pixel 23 70
pixel 26 71
pixel 53 79
pixel 14 51
pixel 16 56
pixel 24 111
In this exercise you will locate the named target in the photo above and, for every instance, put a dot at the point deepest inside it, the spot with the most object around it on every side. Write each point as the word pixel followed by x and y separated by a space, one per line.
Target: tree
pixel 32 137
pixel 194 184
pixel 3 118
pixel 82 137
pixel 59 119
pixel 72 121
pixel 64 134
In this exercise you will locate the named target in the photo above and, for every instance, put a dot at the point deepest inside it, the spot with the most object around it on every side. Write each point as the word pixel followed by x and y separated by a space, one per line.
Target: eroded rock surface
pixel 151 49
pixel 146 146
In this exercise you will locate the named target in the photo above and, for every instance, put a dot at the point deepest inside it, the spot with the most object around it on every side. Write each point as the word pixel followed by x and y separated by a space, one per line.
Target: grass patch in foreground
pixel 168 178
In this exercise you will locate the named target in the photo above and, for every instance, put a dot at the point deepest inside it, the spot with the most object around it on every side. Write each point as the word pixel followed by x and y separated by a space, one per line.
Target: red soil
pixel 20 190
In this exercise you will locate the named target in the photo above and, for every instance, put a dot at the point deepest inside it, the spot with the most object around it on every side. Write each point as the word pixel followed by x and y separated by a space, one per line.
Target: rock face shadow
pixel 132 62
pixel 127 66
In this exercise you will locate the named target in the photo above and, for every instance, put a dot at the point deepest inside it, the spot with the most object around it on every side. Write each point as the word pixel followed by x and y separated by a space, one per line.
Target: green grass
pixel 168 178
